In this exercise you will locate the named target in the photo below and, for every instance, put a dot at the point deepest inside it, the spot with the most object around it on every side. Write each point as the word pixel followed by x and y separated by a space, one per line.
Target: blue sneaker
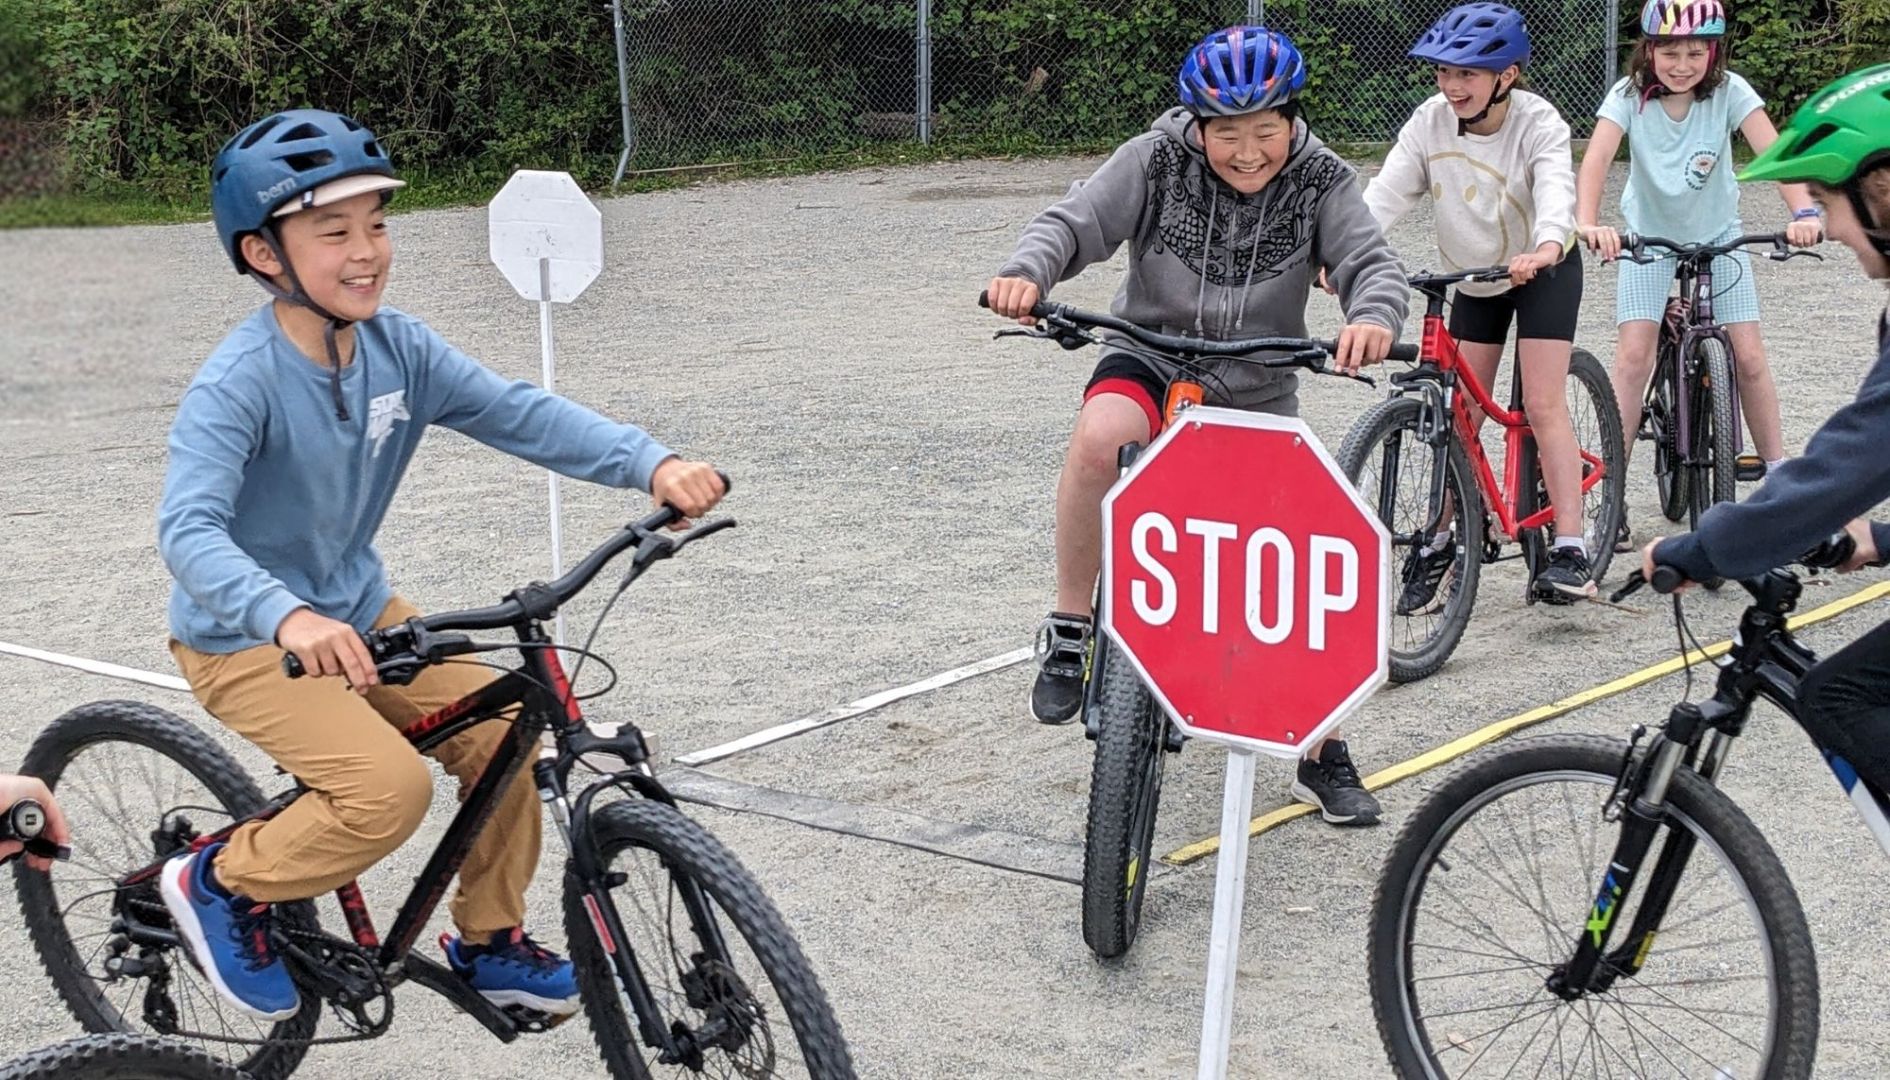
pixel 229 938
pixel 515 971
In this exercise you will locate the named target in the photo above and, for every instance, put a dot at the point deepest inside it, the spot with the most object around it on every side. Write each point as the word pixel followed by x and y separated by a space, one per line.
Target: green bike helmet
pixel 1838 135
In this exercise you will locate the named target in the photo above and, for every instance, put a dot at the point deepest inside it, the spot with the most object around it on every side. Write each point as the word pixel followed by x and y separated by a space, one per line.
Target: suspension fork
pixel 1694 736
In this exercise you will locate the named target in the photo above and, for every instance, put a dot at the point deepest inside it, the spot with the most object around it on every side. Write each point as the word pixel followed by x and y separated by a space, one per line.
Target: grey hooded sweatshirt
pixel 1210 262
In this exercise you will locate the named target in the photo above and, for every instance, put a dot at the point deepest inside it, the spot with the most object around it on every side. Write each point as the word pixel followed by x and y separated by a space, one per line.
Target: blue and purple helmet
pixel 1485 36
pixel 1241 69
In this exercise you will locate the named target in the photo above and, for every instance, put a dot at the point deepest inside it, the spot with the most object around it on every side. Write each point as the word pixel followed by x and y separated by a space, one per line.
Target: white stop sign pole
pixel 1230 895
pixel 547 238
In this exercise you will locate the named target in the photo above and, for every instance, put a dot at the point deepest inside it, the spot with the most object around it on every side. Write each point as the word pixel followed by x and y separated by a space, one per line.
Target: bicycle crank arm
pixel 440 980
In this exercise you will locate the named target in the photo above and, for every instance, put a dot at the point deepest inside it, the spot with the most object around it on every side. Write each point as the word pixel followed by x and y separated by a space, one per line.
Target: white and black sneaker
pixel 1062 644
pixel 1331 783
pixel 1567 578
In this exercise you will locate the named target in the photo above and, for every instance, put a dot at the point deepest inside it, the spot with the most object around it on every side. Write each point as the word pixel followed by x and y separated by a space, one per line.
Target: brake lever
pixel 43 848
pixel 707 528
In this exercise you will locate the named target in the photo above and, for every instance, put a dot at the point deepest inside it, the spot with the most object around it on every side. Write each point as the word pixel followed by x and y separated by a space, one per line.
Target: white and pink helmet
pixel 1683 18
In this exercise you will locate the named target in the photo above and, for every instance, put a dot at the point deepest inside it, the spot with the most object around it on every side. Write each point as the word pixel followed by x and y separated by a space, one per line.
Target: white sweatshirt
pixel 1493 196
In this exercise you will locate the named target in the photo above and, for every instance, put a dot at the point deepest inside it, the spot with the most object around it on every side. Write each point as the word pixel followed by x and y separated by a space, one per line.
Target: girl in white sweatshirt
pixel 1495 162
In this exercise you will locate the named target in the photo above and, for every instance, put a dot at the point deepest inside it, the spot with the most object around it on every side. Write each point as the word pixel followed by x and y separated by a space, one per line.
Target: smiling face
pixel 341 254
pixel 1247 152
pixel 1682 64
pixel 1469 90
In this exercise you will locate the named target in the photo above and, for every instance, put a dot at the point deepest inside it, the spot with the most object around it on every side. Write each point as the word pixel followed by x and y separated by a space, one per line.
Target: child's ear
pixel 257 253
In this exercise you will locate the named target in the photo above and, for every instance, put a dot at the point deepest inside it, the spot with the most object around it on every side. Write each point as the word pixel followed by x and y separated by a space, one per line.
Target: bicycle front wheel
pixel 1596 418
pixel 730 983
pixel 1715 454
pixel 119 1056
pixel 1495 874
pixel 1125 789
pixel 1397 470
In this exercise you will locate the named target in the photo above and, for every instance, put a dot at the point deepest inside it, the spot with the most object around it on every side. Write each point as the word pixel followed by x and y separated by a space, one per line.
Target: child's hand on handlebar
pixel 1805 232
pixel 1602 240
pixel 1013 297
pixel 1866 552
pixel 1362 344
pixel 1524 268
pixel 692 487
pixel 327 646
pixel 1648 565
pixel 16 789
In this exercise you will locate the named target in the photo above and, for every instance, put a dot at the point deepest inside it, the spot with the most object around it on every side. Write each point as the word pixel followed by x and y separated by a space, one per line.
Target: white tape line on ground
pixel 852 709
pixel 98 667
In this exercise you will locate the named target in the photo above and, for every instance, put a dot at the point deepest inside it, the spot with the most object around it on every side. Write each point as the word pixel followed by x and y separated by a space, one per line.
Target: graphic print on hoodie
pixel 1208 261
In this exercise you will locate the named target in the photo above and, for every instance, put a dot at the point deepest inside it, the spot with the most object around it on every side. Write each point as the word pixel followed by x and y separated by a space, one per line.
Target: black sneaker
pixel 1424 571
pixel 1332 784
pixel 1062 641
pixel 1566 578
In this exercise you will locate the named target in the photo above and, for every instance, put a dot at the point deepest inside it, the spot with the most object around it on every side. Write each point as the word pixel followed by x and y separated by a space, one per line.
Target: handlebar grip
pixel 1834 552
pixel 728 482
pixel 984 298
pixel 1666 579
pixel 1405 353
pixel 292 666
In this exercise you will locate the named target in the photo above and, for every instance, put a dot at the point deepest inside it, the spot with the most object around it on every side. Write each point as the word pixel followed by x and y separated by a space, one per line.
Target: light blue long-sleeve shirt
pixel 271 503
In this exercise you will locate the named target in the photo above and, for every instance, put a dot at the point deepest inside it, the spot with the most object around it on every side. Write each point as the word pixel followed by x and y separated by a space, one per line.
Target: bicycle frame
pixel 1441 361
pixel 539 698
pixel 1767 663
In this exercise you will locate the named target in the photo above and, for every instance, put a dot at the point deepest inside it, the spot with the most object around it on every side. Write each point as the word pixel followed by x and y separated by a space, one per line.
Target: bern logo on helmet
pixel 1853 90
pixel 276 190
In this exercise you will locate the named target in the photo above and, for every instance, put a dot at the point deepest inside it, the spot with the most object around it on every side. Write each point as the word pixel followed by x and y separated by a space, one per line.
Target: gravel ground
pixel 817 336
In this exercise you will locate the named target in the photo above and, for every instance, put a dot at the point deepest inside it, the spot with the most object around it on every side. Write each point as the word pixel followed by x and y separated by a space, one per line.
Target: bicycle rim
pixel 1495 905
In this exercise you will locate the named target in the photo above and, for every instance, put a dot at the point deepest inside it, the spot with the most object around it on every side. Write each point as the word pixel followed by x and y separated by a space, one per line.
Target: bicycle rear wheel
pixel 119 1056
pixel 1715 472
pixel 138 784
pixel 1392 464
pixel 1125 790
pixel 1497 871
pixel 744 1003
pixel 1662 419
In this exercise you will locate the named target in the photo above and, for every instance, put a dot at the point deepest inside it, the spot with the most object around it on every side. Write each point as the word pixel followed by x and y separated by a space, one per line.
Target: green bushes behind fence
pixel 101 91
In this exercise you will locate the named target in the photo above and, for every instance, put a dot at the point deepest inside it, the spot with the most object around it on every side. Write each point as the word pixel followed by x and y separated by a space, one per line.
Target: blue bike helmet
pixel 1486 36
pixel 275 165
pixel 1239 70
pixel 293 161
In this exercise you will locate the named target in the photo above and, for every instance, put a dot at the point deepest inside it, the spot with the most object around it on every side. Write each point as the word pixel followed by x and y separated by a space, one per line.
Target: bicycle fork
pixel 1640 802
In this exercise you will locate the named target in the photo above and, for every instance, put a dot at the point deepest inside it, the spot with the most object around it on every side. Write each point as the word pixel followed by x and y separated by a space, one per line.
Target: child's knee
pixel 389 804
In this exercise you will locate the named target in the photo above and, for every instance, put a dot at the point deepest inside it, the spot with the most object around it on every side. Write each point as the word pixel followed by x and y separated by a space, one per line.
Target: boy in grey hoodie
pixel 1232 207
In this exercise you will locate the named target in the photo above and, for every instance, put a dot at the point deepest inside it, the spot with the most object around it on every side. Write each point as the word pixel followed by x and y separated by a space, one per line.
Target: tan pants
pixel 368 787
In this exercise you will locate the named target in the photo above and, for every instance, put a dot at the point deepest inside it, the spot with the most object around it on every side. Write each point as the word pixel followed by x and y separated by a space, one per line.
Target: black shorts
pixel 1546 308
pixel 1120 373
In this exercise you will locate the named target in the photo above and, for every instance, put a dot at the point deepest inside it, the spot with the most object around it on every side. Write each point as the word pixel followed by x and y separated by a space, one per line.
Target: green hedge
pixel 146 90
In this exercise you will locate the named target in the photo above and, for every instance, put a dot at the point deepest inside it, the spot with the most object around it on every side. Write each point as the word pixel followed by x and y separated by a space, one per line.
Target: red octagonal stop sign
pixel 1245 580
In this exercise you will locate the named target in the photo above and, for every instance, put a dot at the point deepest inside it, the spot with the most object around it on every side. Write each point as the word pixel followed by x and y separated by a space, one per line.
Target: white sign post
pixel 1314 630
pixel 547 238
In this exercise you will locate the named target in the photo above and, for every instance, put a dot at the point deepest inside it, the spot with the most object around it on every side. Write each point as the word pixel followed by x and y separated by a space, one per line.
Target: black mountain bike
pixel 683 963
pixel 1575 905
pixel 1691 413
pixel 1132 733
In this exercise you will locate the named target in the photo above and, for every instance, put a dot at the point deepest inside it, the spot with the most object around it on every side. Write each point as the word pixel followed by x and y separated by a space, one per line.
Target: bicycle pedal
pixel 1751 468
pixel 532 1021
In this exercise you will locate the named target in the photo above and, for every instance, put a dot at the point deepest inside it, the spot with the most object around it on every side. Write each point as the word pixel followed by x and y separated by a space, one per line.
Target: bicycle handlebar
pixel 1067 317
pixel 425 638
pixel 1634 248
pixel 1832 552
pixel 1433 282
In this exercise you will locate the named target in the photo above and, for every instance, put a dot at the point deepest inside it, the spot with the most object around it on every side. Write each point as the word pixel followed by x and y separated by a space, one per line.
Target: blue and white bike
pixel 1575 905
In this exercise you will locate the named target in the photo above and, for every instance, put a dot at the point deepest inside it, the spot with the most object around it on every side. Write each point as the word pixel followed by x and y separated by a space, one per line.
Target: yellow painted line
pixel 1457 748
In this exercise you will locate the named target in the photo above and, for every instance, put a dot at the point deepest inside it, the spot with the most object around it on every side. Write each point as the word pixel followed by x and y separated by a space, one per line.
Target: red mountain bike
pixel 1416 457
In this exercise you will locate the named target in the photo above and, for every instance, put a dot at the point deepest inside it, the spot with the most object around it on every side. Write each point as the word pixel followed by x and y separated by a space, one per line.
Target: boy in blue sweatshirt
pixel 284 455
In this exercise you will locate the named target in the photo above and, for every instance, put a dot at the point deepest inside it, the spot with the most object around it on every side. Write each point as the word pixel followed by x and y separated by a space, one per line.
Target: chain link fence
pixel 719 81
